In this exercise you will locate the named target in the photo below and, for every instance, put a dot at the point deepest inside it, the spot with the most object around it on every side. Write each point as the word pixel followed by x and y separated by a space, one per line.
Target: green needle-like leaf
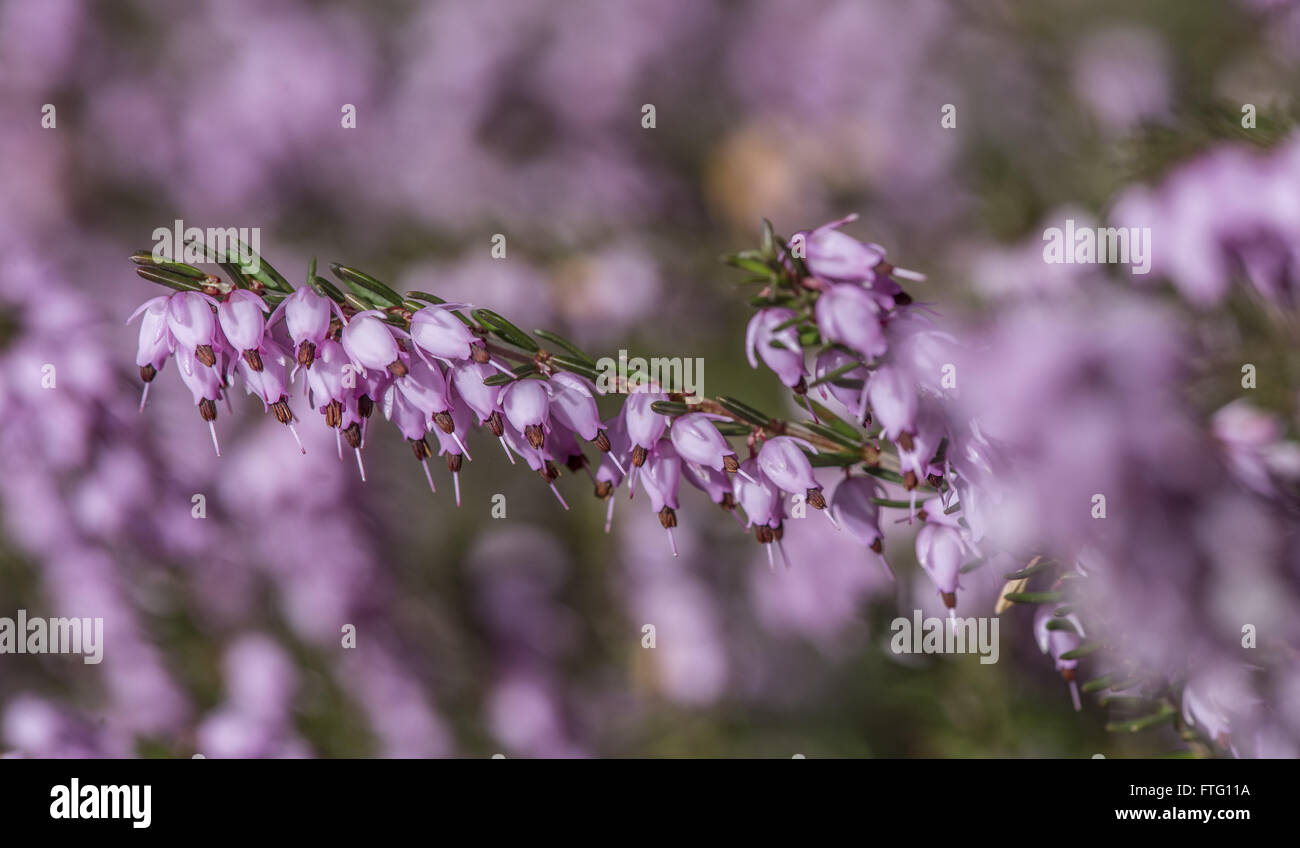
pixel 575 366
pixel 1035 598
pixel 505 330
pixel 745 411
pixel 366 286
pixel 558 340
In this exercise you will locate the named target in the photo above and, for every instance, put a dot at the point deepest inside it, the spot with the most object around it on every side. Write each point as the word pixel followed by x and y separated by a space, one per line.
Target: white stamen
pixel 212 425
pixel 455 480
pixel 428 476
pixel 504 445
pixel 743 473
pixel 1074 696
pixel 617 464
pixel 831 518
pixel 144 395
pixel 338 441
pixel 463 449
pixel 557 495
pixel 780 546
pixel 672 543
pixel 771 563
pixel 363 431
pixel 906 274
pixel 609 512
pixel 294 430
pixel 360 465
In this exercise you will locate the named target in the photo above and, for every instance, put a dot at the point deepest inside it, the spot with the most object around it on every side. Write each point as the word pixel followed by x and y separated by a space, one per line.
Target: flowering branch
pixel 447 368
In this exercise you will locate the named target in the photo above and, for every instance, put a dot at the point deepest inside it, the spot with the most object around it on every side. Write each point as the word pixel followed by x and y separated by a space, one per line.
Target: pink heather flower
pixel 714 483
pixel 573 406
pixel 425 387
pixel 204 384
pixel 783 462
pixel 699 442
pixel 1213 697
pixel 1057 641
pixel 370 342
pixel 527 408
pixel 450 444
pixel 835 257
pixel 325 380
pixel 191 322
pixel 940 552
pixel 243 321
pixel 468 379
pixel 761 500
pixel 757 495
pixel 851 504
pixel 412 422
pixel 436 330
pixel 849 315
pixel 894 404
pixel 307 320
pixel 785 361
pixel 537 458
pixel 270 382
pixel 854 397
pixel 644 426
pixel 156 342
pixel 662 477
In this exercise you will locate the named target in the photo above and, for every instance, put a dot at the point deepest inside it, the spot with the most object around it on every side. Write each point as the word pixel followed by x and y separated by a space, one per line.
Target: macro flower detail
pixel 849 315
pixel 772 338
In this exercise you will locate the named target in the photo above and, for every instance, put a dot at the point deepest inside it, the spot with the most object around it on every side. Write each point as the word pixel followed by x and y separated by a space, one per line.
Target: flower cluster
pixel 449 369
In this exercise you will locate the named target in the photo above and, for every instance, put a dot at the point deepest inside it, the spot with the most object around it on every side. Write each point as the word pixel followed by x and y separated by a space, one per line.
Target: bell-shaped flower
pixel 537 459
pixel 715 484
pixel 852 505
pixel 192 323
pixel 425 387
pixel 850 388
pixel 439 332
pixel 243 320
pixel 662 477
pixel 412 422
pixel 1056 639
pixel 757 496
pixel 450 444
pixel 156 342
pixel 205 387
pixel 849 315
pixel 834 257
pixel 940 552
pixel 894 404
pixel 370 342
pixel 645 427
pixel 783 462
pixel 326 380
pixel 761 500
pixel 779 348
pixel 527 408
pixel 573 405
pixel 270 382
pixel 307 320
pixel 468 379
pixel 698 442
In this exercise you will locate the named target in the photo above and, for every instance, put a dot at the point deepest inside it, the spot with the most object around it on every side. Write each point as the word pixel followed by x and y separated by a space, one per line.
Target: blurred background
pixel 523 635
